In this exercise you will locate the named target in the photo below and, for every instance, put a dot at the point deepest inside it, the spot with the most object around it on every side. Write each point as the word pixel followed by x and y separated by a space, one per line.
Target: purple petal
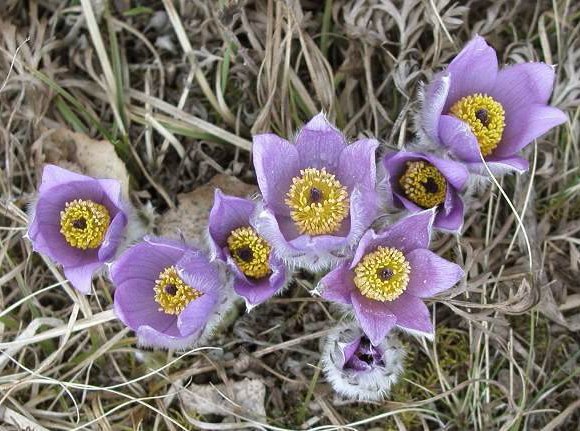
pixel 348 351
pixel 338 285
pixel 525 125
pixel 450 217
pixel 112 189
pixel 135 306
pixel 81 277
pixel 407 204
pixel 454 172
pixel 319 144
pixel 411 314
pixel 395 163
pixel 228 213
pixel 356 167
pixel 474 70
pixel 276 162
pixel 113 237
pixel 268 227
pixel 435 95
pixel 409 233
pixel 363 211
pixel 145 260
pixel 375 318
pixel 522 85
pixel 431 274
pixel 369 241
pixel 150 337
pixel 53 176
pixel 197 313
pixel 198 272
pixel 318 244
pixel 500 165
pixel 458 138
pixel 255 292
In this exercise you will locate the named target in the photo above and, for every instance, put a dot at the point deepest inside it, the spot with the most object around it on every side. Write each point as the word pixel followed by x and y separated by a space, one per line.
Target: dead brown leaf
pixel 247 398
pixel 190 216
pixel 80 153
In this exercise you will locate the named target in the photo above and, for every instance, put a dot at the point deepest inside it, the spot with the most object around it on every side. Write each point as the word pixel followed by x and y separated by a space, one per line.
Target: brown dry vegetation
pixel 178 88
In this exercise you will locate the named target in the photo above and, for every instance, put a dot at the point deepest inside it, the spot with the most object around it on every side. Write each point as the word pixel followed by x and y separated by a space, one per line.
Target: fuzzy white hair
pixel 372 385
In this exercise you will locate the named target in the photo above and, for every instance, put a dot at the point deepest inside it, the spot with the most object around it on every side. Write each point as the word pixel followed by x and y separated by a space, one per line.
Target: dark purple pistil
pixel 364 343
pixel 385 274
pixel 170 289
pixel 80 223
pixel 481 115
pixel 365 357
pixel 431 186
pixel 315 195
pixel 245 254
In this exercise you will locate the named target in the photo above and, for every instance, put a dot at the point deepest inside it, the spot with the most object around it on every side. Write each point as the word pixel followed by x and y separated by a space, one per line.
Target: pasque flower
pixel 473 109
pixel 358 370
pixel 419 181
pixel 258 273
pixel 390 274
pixel 78 222
pixel 167 292
pixel 319 192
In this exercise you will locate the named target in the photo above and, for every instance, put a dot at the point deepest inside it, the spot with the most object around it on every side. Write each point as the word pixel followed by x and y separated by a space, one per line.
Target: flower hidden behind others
pixel 167 292
pixel 358 370
pixel 78 222
pixel 389 275
pixel 258 274
pixel 473 109
pixel 319 193
pixel 420 181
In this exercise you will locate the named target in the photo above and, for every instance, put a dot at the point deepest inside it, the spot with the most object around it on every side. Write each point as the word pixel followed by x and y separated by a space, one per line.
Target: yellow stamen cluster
pixel 250 252
pixel 172 293
pixel 486 118
pixel 423 184
pixel 382 275
pixel 318 202
pixel 84 223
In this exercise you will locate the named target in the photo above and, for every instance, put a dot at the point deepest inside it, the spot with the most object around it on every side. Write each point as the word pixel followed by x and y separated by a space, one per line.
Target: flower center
pixel 365 351
pixel 172 293
pixel 423 184
pixel 250 252
pixel 486 118
pixel 84 223
pixel 318 202
pixel 382 275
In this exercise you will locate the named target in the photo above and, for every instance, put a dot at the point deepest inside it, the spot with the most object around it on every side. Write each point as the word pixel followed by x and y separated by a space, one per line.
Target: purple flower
pixel 358 370
pixel 472 108
pixel 167 292
pixel 389 275
pixel 420 181
pixel 78 222
pixel 319 193
pixel 258 274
